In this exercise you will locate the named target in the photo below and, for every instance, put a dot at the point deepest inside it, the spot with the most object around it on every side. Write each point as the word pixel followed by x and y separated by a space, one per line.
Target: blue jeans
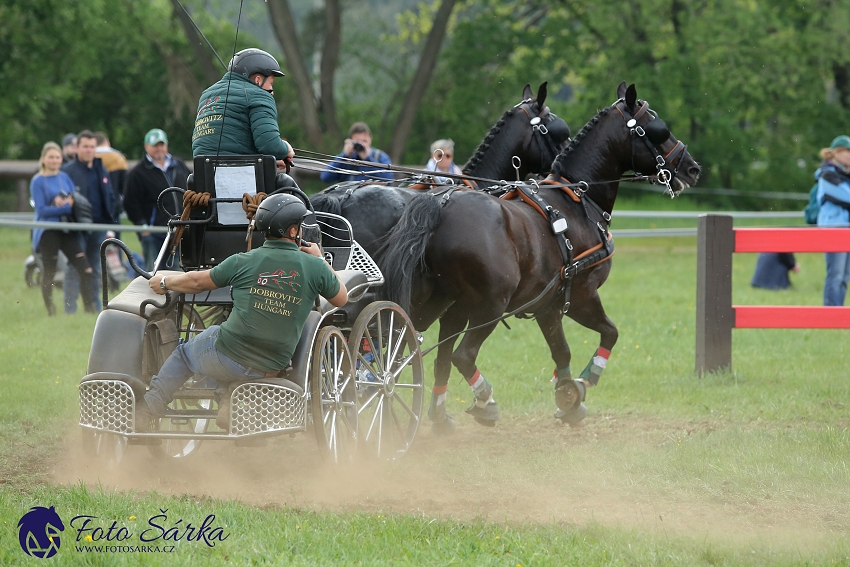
pixel 151 245
pixel 200 357
pixel 837 276
pixel 71 286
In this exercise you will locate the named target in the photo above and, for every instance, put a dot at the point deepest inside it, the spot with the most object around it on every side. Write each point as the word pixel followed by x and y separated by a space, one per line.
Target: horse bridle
pixel 539 131
pixel 658 134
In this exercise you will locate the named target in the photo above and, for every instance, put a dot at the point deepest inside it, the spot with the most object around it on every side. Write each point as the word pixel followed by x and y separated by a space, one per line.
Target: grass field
pixel 747 467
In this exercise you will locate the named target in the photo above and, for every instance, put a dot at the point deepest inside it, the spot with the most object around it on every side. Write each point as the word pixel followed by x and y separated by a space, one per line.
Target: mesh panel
pixel 361 261
pixel 107 405
pixel 255 408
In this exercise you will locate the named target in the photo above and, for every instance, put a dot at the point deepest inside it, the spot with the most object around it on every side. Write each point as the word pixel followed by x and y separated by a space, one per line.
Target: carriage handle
pixel 169 298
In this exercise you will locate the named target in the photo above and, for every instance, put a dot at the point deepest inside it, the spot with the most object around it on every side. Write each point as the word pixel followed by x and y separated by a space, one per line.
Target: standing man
pixel 157 171
pixel 69 148
pixel 92 180
pixel 358 145
pixel 259 337
pixel 116 164
pixel 237 115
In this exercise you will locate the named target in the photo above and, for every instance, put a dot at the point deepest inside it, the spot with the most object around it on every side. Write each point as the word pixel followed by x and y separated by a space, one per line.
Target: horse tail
pixel 404 249
pixel 325 203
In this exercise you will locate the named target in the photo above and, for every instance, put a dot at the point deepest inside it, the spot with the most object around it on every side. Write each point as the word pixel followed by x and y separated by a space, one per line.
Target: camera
pixel 359 147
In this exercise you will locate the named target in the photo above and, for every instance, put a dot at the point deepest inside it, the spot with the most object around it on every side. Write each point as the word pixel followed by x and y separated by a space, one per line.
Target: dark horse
pixel 485 257
pixel 528 130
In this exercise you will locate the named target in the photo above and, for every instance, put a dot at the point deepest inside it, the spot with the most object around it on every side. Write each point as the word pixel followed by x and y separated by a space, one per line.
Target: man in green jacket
pixel 237 115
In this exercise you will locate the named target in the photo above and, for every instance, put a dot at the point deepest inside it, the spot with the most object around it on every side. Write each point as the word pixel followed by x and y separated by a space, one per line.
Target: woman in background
pixel 442 160
pixel 52 196
pixel 833 177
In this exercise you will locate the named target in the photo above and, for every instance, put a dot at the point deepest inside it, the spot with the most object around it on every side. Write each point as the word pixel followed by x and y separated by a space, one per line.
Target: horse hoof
pixel 486 422
pixel 489 413
pixel 572 417
pixel 569 394
pixel 445 427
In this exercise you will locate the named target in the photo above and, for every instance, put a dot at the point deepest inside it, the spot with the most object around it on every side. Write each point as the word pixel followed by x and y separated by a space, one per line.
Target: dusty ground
pixel 524 470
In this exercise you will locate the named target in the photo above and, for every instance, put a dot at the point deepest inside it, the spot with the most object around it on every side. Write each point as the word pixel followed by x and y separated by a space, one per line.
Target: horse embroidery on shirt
pixel 279 277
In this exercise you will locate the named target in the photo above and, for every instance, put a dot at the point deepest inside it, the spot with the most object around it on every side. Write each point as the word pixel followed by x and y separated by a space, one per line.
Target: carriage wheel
pixel 179 448
pixel 333 396
pixel 104 448
pixel 385 347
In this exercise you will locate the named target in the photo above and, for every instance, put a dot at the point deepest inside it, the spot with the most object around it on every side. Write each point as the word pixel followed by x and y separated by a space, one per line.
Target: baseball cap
pixel 840 142
pixel 155 136
pixel 69 139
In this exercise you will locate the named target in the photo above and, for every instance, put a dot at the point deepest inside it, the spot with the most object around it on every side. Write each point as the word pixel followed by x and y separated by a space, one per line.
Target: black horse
pixel 528 131
pixel 484 257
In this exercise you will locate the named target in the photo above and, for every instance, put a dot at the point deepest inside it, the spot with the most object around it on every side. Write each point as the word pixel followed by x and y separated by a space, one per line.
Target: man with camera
pixel 358 146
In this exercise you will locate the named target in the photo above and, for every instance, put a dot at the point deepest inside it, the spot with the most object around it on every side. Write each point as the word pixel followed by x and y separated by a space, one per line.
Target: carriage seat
pixel 131 298
pixel 351 279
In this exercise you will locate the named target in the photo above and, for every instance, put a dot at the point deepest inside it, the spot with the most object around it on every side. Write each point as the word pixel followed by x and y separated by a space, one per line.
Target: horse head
pixel 39 531
pixel 529 131
pixel 632 137
pixel 667 156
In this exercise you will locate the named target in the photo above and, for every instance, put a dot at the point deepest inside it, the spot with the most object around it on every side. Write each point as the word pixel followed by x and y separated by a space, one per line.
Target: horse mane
pixel 323 202
pixel 557 165
pixel 485 143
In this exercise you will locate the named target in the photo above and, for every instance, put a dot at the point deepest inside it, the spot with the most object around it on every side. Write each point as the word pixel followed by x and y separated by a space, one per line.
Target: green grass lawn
pixel 747 467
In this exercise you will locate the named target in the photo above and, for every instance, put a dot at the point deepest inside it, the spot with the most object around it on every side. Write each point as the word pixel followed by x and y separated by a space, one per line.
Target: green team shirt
pixel 274 287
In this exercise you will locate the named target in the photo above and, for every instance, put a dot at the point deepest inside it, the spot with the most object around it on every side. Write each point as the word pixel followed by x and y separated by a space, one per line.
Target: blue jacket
pixel 833 195
pixel 772 270
pixel 43 189
pixel 95 186
pixel 331 174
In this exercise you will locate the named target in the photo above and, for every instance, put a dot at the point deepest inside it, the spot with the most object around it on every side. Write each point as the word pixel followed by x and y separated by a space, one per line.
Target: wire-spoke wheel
pixel 180 448
pixel 333 396
pixel 105 448
pixel 385 348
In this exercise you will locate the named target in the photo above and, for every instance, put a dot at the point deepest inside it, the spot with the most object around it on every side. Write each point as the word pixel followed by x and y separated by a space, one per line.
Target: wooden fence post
pixel 715 317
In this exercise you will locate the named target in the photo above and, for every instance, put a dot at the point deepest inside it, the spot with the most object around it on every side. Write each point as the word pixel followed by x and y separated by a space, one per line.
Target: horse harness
pixel 573 264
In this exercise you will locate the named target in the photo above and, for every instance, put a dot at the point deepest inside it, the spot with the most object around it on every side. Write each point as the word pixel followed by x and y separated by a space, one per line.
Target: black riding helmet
pixel 253 60
pixel 277 213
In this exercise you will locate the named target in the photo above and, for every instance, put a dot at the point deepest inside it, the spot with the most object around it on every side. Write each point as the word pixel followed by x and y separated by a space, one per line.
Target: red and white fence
pixel 717 240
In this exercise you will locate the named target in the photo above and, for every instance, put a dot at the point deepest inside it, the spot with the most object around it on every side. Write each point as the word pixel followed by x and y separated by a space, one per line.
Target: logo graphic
pixel 38 532
pixel 279 277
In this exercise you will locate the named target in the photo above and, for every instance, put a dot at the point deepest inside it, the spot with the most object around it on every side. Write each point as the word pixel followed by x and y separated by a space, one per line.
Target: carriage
pixel 355 380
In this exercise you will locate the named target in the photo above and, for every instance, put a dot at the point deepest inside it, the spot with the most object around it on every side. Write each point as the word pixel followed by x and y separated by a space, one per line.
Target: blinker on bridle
pixel 537 126
pixel 656 133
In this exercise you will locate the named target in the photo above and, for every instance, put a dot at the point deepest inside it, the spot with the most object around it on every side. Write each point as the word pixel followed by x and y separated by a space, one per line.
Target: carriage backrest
pixel 206 245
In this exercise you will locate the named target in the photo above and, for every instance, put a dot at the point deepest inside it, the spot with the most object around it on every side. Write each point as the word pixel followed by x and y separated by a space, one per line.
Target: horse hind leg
pixel 569 393
pixel 452 322
pixel 484 408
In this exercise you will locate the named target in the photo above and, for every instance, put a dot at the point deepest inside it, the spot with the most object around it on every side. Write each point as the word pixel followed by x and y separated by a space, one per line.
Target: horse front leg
pixel 452 322
pixel 589 313
pixel 569 393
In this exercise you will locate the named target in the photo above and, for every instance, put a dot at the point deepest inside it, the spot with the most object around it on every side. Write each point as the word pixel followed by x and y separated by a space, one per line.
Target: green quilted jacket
pixel 250 120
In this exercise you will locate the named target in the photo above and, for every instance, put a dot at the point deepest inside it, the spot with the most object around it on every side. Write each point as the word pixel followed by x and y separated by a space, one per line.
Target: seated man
pixel 358 146
pixel 260 336
pixel 238 115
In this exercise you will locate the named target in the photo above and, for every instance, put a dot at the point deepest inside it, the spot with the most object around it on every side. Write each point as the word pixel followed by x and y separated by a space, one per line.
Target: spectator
pixel 69 148
pixel 250 125
pixel 772 270
pixel 52 195
pixel 92 180
pixel 157 171
pixel 442 159
pixel 116 164
pixel 833 177
pixel 358 146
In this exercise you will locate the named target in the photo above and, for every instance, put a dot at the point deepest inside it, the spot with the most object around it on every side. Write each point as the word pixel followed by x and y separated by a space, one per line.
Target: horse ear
pixel 541 94
pixel 621 90
pixel 631 96
pixel 526 92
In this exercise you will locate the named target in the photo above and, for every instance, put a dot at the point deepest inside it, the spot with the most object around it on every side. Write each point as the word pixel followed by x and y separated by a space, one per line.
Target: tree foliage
pixel 754 88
